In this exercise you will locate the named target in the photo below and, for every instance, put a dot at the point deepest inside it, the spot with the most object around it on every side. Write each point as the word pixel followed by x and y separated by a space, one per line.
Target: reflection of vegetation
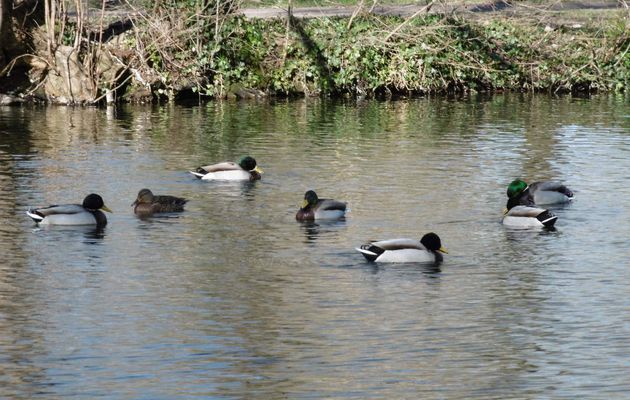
pixel 219 129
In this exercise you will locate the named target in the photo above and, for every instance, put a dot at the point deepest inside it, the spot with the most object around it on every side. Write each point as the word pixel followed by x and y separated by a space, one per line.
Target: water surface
pixel 235 299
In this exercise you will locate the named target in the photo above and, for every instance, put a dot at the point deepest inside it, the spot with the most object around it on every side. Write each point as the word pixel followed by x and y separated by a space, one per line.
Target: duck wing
pixel 170 200
pixel 58 209
pixel 224 166
pixel 200 172
pixel 373 250
pixel 398 244
pixel 169 203
pixel 38 214
pixel 330 204
pixel 525 211
pixel 551 186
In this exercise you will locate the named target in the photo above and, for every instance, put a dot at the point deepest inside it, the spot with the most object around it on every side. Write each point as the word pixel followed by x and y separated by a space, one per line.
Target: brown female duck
pixel 147 203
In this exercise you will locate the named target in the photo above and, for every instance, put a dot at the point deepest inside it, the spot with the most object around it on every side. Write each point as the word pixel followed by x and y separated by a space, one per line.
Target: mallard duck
pixel 544 192
pixel 245 170
pixel 427 250
pixel 315 208
pixel 147 203
pixel 528 217
pixel 88 213
pixel 521 210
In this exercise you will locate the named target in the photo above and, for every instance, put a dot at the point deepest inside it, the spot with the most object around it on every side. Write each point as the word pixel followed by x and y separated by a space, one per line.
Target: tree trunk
pixel 6 37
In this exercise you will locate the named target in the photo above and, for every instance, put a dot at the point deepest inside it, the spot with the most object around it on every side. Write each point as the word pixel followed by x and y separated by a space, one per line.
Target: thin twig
pixel 355 13
pixel 405 22
pixel 96 100
pixel 11 64
pixel 623 56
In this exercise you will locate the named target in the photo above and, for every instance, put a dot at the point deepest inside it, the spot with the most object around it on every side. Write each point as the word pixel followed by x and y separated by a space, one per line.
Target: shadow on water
pixel 91 234
pixel 313 230
pixel 432 270
pixel 527 235
pixel 234 189
pixel 400 274
pixel 149 219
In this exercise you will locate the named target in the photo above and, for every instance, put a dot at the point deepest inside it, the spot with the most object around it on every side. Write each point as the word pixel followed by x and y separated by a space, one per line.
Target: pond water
pixel 235 299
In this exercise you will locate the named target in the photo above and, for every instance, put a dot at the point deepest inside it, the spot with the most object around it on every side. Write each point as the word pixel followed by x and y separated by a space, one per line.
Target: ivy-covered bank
pixel 381 56
pixel 182 53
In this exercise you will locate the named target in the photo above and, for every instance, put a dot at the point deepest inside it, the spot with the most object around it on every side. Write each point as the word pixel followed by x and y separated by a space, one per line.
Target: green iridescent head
pixel 247 163
pixel 310 199
pixel 516 187
pixel 93 202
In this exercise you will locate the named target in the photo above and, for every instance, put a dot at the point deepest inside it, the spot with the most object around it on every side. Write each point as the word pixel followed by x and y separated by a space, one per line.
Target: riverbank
pixel 348 51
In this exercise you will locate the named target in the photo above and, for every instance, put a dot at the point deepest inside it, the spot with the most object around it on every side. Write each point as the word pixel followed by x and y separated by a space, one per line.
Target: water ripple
pixel 235 299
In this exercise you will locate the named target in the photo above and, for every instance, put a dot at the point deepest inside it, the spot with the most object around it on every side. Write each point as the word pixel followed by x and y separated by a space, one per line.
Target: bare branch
pixel 399 27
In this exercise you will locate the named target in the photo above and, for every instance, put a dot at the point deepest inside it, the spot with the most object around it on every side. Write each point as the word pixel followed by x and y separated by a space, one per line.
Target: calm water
pixel 235 299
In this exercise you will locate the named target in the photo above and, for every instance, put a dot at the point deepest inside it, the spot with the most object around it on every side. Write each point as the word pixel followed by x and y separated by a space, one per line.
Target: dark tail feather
pixel 566 191
pixel 199 172
pixel 370 252
pixel 547 218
